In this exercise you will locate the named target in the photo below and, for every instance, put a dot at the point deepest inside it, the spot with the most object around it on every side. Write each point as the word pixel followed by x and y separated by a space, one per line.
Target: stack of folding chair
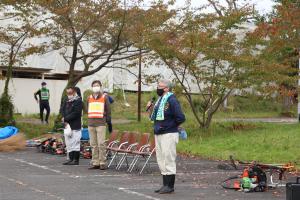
pixel 144 139
pixel 113 140
pixel 146 152
pixel 127 142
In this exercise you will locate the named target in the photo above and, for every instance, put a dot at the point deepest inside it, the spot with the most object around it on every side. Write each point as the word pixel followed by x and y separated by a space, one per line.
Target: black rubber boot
pixel 71 158
pixel 168 189
pixel 172 181
pixel 164 184
pixel 76 155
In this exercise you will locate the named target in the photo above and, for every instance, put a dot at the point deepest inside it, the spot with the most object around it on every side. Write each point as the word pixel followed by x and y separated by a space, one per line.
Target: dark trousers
pixel 44 105
pixel 109 125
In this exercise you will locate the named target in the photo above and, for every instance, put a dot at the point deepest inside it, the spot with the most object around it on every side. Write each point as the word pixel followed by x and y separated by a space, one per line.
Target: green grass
pixel 263 142
pixel 34 130
pixel 257 114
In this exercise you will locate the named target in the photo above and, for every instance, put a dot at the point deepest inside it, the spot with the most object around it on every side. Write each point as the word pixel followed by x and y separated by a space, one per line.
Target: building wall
pixel 22 91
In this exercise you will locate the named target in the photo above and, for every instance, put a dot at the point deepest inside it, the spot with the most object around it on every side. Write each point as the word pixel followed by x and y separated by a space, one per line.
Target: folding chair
pixel 113 139
pixel 146 152
pixel 144 140
pixel 127 141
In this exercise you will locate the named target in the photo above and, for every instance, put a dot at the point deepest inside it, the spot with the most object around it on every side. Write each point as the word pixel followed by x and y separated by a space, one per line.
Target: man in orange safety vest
pixel 98 110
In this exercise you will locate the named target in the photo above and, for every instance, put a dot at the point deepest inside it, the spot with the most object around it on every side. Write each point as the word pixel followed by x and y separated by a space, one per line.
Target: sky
pixel 263 6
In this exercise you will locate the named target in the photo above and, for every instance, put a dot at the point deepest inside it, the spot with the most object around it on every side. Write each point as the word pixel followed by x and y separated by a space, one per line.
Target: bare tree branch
pixel 215 5
pixel 126 69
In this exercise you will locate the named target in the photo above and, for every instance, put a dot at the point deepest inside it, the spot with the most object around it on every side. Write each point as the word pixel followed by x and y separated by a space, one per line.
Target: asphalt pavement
pixel 30 175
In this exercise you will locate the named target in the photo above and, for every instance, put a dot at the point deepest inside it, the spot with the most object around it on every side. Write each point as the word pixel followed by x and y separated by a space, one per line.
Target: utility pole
pixel 140 85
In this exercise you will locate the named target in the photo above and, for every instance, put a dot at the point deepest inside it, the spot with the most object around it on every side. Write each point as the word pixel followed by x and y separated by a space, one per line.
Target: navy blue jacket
pixel 110 99
pixel 173 117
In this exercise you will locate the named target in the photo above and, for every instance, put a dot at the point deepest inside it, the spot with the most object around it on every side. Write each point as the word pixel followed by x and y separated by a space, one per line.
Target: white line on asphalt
pixel 39 166
pixel 71 176
pixel 31 188
pixel 74 176
pixel 137 193
pixel 97 175
pixel 206 173
pixel 109 175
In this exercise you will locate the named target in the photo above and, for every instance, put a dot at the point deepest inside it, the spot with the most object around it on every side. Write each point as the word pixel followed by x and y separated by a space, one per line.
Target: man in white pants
pixel 71 112
pixel 167 116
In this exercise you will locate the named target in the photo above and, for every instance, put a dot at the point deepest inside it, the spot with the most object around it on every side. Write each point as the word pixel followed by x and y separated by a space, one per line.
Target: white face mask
pixel 44 86
pixel 70 96
pixel 96 89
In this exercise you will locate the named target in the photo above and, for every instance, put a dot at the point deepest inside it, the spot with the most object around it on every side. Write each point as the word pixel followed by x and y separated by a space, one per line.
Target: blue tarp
pixel 7 132
pixel 85 134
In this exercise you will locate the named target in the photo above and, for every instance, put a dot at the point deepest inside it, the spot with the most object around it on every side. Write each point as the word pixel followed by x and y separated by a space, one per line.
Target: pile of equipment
pixel 54 144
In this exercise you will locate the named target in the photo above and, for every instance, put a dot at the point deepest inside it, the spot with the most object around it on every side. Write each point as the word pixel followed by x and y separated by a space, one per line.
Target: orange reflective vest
pixel 96 107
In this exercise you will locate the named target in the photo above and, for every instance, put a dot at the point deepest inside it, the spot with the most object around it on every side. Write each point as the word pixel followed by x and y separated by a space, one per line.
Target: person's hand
pixel 108 119
pixel 149 104
pixel 62 119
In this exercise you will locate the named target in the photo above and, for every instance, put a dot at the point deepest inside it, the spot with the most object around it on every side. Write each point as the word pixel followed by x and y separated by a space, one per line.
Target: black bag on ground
pixel 293 190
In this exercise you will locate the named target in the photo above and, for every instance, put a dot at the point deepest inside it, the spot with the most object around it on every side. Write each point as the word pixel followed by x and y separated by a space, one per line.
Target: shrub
pixel 6 110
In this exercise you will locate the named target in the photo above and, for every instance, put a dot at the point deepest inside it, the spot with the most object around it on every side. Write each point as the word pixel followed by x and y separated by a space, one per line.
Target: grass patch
pixel 248 114
pixel 34 130
pixel 264 142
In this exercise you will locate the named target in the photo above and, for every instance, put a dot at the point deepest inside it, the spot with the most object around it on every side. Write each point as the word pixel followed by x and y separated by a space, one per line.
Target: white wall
pixel 22 91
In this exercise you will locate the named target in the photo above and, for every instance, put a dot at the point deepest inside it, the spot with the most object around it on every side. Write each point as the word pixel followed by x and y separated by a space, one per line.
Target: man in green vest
pixel 43 100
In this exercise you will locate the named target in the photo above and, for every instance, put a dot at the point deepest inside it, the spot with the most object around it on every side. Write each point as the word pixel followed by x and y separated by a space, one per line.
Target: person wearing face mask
pixel 71 112
pixel 98 111
pixel 167 116
pixel 43 101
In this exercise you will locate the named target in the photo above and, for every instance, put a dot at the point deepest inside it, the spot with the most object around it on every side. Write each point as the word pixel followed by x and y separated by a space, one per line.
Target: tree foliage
pixel 279 39
pixel 279 36
pixel 19 24
pixel 209 50
pixel 90 34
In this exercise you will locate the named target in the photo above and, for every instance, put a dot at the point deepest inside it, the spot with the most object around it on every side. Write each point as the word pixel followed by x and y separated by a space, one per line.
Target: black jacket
pixel 71 111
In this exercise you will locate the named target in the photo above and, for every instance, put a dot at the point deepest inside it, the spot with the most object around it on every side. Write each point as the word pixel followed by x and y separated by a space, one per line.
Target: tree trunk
pixel 8 77
pixel 207 122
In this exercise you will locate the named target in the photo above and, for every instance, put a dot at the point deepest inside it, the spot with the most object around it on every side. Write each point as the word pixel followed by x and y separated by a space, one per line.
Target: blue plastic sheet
pixel 85 134
pixel 7 132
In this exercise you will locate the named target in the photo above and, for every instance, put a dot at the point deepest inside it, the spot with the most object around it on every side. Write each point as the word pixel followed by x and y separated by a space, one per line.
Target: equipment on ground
pixel 255 175
pixel 293 190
